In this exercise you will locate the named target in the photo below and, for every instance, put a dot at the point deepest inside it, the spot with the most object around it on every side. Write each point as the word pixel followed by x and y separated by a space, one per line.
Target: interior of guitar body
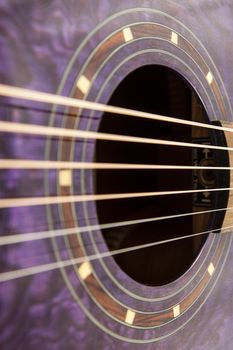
pixel 160 90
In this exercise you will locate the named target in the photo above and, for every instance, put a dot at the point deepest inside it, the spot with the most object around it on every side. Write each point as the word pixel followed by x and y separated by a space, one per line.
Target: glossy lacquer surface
pixel 47 46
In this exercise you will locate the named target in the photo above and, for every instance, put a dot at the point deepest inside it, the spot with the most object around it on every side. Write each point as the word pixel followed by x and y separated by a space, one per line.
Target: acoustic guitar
pixel 116 166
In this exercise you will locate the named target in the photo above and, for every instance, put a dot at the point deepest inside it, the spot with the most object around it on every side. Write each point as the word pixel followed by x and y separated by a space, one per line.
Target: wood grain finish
pixel 48 46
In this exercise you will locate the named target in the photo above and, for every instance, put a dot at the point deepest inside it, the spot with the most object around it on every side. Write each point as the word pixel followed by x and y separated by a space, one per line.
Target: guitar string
pixel 38 96
pixel 44 267
pixel 33 129
pixel 50 165
pixel 49 200
pixel 33 270
pixel 39 235
pixel 21 93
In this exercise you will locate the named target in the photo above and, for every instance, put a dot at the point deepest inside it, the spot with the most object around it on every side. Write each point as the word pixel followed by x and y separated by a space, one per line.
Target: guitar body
pixel 84 49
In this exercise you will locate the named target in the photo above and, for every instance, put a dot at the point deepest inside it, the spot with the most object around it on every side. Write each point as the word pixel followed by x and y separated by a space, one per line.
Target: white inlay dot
pixel 85 270
pixel 176 310
pixel 211 269
pixel 130 315
pixel 65 177
pixel 174 38
pixel 209 78
pixel 83 84
pixel 127 33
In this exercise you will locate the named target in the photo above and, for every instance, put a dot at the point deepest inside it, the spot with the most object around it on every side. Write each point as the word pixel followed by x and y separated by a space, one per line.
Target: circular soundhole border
pixel 159 90
pixel 150 313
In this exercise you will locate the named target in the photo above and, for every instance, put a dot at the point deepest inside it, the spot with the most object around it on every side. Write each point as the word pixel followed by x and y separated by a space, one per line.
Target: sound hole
pixel 160 90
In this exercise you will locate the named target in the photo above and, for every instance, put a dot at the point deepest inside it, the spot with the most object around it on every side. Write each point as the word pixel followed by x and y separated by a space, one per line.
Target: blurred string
pixel 33 95
pixel 13 127
pixel 33 270
pixel 32 236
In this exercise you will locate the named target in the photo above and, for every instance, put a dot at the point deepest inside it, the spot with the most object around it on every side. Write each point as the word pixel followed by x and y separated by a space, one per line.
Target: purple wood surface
pixel 45 46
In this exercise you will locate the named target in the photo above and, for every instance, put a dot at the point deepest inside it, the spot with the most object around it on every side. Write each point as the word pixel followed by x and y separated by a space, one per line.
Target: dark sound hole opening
pixel 160 90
